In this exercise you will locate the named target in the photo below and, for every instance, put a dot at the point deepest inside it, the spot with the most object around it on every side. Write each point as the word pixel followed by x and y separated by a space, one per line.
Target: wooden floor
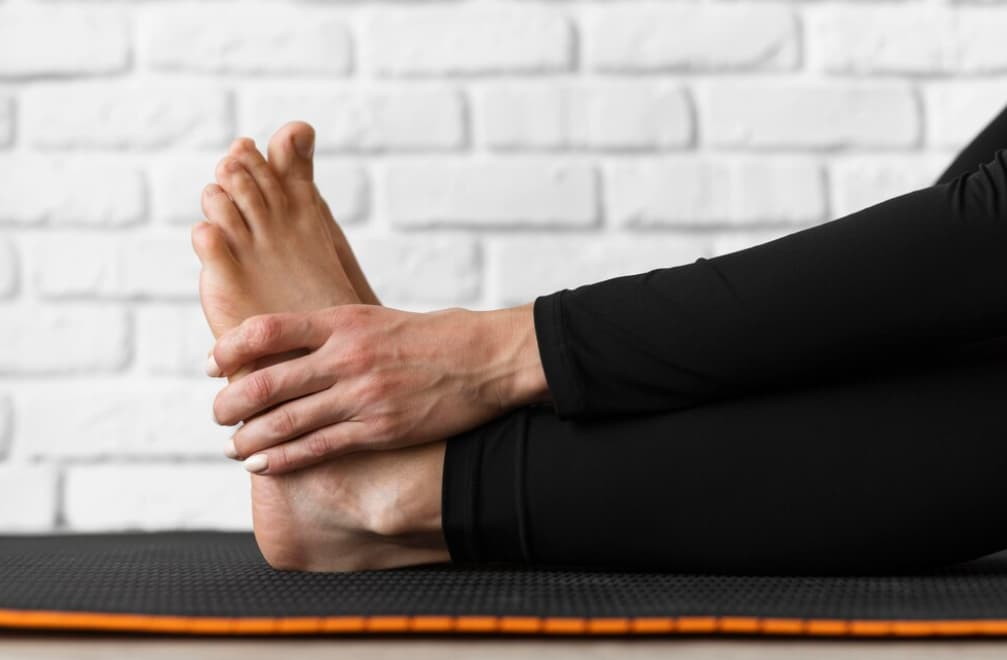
pixel 38 647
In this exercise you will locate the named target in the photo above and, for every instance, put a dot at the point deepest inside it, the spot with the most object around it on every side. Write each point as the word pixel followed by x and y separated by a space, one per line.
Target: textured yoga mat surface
pixel 217 583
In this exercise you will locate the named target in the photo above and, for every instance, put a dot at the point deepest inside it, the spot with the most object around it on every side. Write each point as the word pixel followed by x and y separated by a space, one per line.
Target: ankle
pixel 414 512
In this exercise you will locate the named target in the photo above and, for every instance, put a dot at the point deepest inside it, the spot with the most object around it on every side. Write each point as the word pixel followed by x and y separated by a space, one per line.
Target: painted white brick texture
pixel 636 116
pixel 502 37
pixel 514 192
pixel 659 36
pixel 267 39
pixel 62 40
pixel 157 497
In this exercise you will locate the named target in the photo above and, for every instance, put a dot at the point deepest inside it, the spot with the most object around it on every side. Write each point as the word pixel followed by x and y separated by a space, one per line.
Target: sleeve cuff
pixel 561 374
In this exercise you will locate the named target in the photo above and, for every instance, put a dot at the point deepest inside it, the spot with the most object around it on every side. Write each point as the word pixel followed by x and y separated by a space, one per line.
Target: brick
pixel 257 39
pixel 9 268
pixel 176 184
pixel 979 40
pixel 172 340
pixel 857 182
pixel 957 110
pixel 6 120
pixel 671 36
pixel 162 266
pixel 66 40
pixel 602 116
pixel 726 242
pixel 138 266
pixel 6 426
pixel 68 339
pixel 527 267
pixel 444 270
pixel 90 191
pixel 690 190
pixel 889 39
pixel 106 419
pixel 480 193
pixel 345 188
pixel 927 40
pixel 28 494
pixel 178 181
pixel 157 497
pixel 125 115
pixel 465 40
pixel 363 121
pixel 809 115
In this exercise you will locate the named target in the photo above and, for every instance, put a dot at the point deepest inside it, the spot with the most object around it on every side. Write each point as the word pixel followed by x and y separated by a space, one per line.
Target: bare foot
pixel 267 247
pixel 290 154
pixel 366 510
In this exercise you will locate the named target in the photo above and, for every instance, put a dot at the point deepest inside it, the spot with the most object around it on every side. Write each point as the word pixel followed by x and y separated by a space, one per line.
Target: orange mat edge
pixel 684 625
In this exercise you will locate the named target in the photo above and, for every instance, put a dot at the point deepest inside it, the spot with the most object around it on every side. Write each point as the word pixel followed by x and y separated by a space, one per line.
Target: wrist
pixel 513 374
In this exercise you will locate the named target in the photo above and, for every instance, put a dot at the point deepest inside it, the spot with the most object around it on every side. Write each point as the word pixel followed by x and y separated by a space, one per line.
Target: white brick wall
pixel 478 152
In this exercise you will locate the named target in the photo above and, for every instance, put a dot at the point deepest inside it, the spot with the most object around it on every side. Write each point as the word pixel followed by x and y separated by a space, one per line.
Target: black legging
pixel 831 401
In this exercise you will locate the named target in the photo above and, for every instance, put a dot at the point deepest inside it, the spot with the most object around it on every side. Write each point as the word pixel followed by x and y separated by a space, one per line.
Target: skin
pixel 374 378
pixel 317 331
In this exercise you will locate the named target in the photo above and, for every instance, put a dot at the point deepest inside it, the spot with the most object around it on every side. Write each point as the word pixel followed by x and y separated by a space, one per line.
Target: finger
pixel 262 389
pixel 267 334
pixel 309 449
pixel 288 421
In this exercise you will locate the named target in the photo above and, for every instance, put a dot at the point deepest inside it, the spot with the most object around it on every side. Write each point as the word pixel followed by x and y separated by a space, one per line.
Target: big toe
pixel 291 150
pixel 210 244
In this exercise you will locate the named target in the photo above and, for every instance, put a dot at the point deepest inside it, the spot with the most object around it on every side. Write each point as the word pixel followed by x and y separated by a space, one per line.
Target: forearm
pixel 512 374
pixel 920 272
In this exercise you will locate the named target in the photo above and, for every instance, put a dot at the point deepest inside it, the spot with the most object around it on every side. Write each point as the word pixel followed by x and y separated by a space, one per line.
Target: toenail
pixel 230 450
pixel 212 370
pixel 256 463
pixel 304 143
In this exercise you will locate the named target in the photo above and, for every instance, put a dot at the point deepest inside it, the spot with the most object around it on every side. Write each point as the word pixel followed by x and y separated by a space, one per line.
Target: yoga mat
pixel 211 583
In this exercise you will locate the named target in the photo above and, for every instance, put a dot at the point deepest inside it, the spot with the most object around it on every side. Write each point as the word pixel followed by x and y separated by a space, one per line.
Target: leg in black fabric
pixel 902 279
pixel 980 149
pixel 893 471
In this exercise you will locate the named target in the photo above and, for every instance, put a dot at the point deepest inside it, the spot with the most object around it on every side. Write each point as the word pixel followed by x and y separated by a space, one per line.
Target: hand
pixel 374 378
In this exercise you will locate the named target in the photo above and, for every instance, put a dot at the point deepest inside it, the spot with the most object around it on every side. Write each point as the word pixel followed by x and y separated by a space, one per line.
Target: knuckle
pixel 282 422
pixel 359 357
pixel 279 460
pixel 385 429
pixel 260 332
pixel 318 445
pixel 377 388
pixel 259 388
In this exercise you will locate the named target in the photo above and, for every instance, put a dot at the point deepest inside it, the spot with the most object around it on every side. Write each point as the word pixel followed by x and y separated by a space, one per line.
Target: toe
pixel 239 184
pixel 243 150
pixel 291 150
pixel 210 244
pixel 221 211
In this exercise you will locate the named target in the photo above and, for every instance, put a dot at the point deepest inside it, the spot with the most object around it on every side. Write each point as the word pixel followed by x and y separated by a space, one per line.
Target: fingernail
pixel 256 463
pixel 230 450
pixel 304 143
pixel 212 370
